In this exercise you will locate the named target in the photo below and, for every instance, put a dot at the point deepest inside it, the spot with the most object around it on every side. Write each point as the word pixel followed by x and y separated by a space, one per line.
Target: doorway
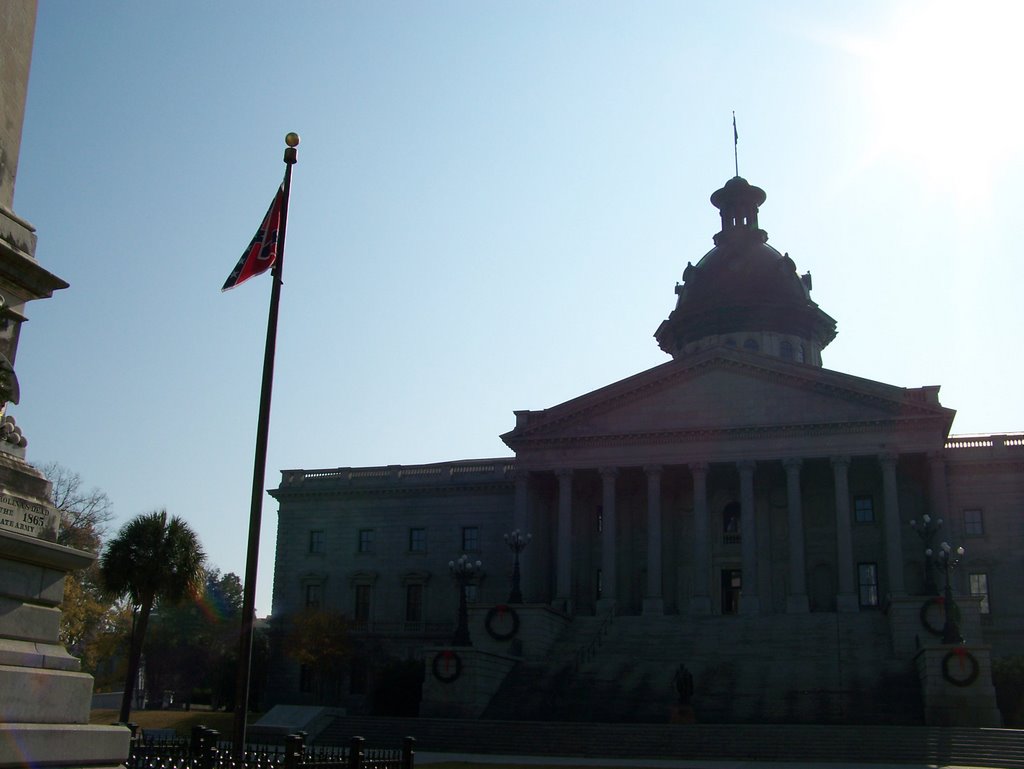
pixel 732 582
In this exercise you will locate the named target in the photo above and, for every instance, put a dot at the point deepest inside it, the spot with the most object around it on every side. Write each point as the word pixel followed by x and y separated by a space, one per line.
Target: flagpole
pixel 260 467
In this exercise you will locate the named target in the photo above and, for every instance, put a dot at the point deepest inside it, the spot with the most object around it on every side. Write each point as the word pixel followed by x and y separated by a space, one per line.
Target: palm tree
pixel 151 558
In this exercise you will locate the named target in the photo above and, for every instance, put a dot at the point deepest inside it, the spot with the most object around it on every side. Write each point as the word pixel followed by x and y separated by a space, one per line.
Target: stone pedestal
pixel 525 630
pixel 956 684
pixel 909 633
pixel 44 698
pixel 460 681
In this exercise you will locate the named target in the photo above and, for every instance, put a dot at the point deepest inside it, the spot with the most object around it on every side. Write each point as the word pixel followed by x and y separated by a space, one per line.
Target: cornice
pixel 441 489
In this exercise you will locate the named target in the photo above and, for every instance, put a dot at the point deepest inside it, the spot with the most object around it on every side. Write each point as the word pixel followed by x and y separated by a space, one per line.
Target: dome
pixel 744 292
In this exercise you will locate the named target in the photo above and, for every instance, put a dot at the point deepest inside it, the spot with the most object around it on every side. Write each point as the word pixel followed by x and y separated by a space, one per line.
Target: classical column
pixel 749 602
pixel 563 573
pixel 521 521
pixel 700 600
pixel 846 598
pixel 796 600
pixel 653 602
pixel 893 535
pixel 608 541
pixel 938 493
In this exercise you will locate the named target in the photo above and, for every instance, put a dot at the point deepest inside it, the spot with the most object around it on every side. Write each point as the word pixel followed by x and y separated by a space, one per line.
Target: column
pixel 893 535
pixel 653 602
pixel 846 598
pixel 521 521
pixel 608 541
pixel 796 600
pixel 938 492
pixel 749 602
pixel 700 599
pixel 563 573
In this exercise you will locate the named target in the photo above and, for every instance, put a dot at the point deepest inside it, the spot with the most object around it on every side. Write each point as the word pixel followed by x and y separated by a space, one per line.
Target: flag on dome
pixel 262 251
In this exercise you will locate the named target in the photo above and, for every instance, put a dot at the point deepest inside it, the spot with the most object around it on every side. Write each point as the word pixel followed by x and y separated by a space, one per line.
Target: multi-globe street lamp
pixel 463 570
pixel 948 559
pixel 517 542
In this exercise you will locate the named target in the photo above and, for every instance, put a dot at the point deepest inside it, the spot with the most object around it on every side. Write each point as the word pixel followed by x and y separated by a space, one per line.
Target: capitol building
pixel 739 509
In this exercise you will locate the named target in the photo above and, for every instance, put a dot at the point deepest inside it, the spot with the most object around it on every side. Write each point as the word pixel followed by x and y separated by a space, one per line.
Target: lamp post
pixel 947 559
pixel 516 542
pixel 463 570
pixel 926 530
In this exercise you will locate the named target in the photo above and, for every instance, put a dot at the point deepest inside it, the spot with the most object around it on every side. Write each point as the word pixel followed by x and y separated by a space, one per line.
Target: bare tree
pixel 85 514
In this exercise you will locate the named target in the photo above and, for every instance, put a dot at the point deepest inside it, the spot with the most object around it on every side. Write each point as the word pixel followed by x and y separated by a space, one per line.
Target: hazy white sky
pixel 492 205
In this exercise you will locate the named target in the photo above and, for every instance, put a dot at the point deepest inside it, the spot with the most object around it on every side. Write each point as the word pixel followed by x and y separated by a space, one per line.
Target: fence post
pixel 293 749
pixel 209 759
pixel 355 753
pixel 197 741
pixel 408 752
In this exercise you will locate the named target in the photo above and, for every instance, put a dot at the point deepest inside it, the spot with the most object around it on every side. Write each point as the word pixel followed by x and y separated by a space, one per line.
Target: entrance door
pixel 732 580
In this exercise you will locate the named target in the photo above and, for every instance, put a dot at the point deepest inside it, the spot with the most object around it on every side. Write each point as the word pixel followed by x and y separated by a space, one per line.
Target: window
pixel 314 595
pixel 974 524
pixel 414 603
pixel 864 509
pixel 867 577
pixel 365 541
pixel 362 612
pixel 979 588
pixel 786 349
pixel 316 541
pixel 417 540
pixel 470 539
pixel 751 345
pixel 731 523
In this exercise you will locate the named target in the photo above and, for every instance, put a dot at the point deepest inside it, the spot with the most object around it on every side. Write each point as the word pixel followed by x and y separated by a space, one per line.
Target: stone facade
pixel 741 478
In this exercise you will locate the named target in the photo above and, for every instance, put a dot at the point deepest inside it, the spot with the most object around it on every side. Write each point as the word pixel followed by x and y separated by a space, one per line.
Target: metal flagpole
pixel 260 467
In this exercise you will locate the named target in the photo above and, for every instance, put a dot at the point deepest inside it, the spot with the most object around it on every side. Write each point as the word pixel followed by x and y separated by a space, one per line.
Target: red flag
pixel 262 251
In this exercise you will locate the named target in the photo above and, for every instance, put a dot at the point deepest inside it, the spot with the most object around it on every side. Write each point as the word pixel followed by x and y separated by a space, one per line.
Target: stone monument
pixel 44 698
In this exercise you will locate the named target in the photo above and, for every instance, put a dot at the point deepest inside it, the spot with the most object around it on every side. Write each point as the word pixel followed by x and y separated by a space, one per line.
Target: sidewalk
pixel 481 759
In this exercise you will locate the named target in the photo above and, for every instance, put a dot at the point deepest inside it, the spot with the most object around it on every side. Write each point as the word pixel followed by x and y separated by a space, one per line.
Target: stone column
pixel 749 601
pixel 609 541
pixel 700 600
pixel 653 602
pixel 796 600
pixel 846 598
pixel 563 573
pixel 893 524
pixel 938 493
pixel 521 521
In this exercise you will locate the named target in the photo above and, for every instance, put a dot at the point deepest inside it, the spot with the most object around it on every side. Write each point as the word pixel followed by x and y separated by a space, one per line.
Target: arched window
pixel 751 344
pixel 786 349
pixel 731 523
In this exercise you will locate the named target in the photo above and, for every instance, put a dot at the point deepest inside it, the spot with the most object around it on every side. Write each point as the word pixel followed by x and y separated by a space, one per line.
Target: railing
pixel 996 441
pixel 203 750
pixel 587 651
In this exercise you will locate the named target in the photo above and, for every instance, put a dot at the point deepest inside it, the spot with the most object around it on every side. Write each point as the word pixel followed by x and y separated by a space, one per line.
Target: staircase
pixel 810 668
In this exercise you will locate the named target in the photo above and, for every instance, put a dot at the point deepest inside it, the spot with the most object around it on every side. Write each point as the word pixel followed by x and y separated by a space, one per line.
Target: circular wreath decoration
pixel 926 614
pixel 964 656
pixel 498 613
pixel 451 663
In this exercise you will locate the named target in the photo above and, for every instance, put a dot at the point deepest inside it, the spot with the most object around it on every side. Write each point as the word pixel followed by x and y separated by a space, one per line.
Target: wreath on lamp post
pixel 965 658
pixel 447 666
pixel 927 609
pixel 500 615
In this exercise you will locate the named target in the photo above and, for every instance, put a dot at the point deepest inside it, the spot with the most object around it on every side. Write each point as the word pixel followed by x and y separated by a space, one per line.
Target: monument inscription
pixel 27 516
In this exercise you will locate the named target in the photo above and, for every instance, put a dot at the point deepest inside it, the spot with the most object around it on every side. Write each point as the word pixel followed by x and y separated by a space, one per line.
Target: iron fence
pixel 203 750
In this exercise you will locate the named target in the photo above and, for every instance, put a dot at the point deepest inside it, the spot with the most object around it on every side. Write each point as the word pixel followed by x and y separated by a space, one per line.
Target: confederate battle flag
pixel 262 251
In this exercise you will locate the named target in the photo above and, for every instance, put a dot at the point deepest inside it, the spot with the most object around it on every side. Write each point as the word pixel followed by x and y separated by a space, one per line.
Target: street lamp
pixel 463 570
pixel 948 559
pixel 926 530
pixel 516 542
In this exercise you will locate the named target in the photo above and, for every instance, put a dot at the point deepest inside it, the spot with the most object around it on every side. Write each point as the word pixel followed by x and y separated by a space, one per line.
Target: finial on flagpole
pixel 290 155
pixel 735 143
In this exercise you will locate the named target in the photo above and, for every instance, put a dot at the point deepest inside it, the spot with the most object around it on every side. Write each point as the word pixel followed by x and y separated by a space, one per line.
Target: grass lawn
pixel 181 721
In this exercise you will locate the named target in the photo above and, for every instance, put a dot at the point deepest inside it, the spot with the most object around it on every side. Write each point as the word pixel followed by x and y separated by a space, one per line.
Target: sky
pixel 492 206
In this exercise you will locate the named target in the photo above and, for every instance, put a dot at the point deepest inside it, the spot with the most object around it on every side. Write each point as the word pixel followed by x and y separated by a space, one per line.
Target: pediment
pixel 726 391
